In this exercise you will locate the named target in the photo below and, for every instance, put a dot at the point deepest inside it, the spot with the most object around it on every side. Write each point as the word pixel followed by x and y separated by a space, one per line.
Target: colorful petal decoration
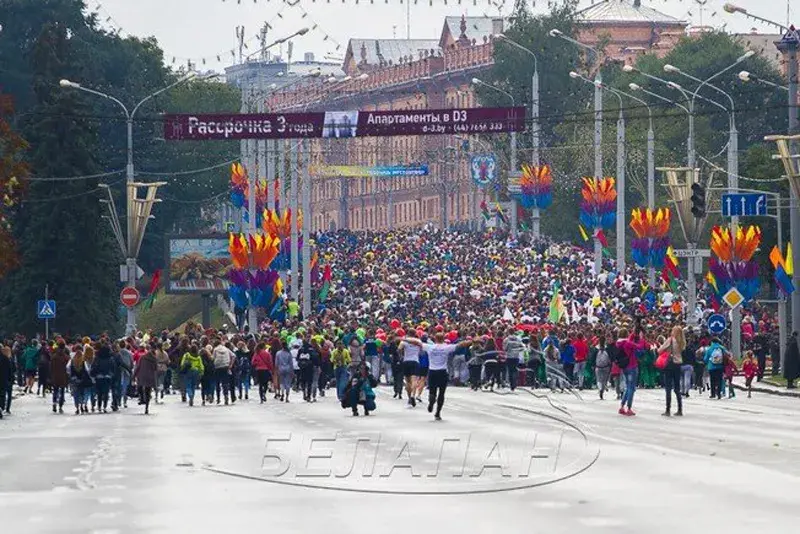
pixel 598 209
pixel 536 187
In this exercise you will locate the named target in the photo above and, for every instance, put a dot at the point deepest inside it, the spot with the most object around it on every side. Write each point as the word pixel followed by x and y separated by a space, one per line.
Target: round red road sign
pixel 129 297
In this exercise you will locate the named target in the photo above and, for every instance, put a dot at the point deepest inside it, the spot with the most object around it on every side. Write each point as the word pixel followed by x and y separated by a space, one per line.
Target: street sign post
pixel 129 297
pixel 716 324
pixel 692 253
pixel 744 204
pixel 46 309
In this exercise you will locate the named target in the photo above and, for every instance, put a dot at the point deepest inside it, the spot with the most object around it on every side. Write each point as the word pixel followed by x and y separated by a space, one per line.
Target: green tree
pixel 63 241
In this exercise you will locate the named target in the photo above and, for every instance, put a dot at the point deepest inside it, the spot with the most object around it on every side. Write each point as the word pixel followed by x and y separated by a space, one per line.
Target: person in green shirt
pixel 293 309
pixel 192 368
pixel 340 359
pixel 30 361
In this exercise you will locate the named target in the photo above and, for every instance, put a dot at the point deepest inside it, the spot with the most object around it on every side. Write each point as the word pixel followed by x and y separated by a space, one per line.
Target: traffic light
pixel 698 201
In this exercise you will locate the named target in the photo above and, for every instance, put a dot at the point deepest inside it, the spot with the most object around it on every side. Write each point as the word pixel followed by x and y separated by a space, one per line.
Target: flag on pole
pixel 783 277
pixel 326 284
pixel 155 283
pixel 557 307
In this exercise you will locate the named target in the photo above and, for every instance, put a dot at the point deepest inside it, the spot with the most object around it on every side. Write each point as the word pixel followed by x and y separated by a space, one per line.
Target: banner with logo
pixel 342 124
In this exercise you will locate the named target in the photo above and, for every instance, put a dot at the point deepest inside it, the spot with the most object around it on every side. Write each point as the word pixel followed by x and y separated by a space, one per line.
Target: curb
pixel 769 391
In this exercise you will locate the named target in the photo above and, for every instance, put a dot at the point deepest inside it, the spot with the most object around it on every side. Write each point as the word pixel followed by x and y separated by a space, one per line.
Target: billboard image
pixel 198 264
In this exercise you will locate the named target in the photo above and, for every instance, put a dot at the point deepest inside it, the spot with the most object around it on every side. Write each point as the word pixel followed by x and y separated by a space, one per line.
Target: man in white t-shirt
pixel 438 353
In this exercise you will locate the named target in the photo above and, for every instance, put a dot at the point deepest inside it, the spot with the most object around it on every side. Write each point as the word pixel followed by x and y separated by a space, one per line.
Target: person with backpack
pixel 602 365
pixel 628 350
pixel 674 346
pixel 714 359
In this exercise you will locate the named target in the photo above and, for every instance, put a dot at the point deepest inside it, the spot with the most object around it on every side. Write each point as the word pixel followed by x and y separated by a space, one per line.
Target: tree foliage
pixel 13 171
pixel 64 241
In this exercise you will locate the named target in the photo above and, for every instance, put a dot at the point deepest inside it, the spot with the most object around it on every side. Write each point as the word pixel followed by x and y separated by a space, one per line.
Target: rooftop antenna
pixel 702 4
pixel 262 38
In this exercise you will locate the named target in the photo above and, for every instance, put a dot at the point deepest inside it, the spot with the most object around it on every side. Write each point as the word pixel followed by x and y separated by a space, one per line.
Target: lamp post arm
pixel 106 96
pixel 167 88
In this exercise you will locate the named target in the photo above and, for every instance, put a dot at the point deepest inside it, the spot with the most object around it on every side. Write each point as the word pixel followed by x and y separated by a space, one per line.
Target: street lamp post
pixel 598 133
pixel 513 165
pixel 535 128
pixel 620 172
pixel 138 210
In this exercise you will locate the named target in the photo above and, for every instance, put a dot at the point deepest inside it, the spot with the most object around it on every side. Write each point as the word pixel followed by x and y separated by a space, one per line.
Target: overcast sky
pixel 196 29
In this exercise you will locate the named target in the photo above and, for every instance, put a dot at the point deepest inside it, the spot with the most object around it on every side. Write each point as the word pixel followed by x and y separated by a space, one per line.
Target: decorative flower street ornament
pixel 536 187
pixel 651 227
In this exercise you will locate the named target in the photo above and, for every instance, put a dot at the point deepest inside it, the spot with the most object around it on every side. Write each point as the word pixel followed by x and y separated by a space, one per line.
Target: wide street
pixel 728 465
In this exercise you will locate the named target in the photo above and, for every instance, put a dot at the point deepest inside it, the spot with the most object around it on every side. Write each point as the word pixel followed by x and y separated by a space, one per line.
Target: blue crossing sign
pixel 716 324
pixel 744 204
pixel 46 309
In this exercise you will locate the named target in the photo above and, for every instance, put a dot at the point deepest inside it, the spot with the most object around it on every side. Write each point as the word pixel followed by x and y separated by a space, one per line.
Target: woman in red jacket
pixel 262 365
pixel 628 349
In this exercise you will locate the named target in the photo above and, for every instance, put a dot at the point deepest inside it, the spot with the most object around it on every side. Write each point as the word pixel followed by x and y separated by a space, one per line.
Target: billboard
pixel 198 264
pixel 342 124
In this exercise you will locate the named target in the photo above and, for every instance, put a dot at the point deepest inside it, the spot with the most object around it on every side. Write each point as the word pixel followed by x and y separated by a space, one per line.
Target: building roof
pixel 476 27
pixel 623 11
pixel 763 44
pixel 384 51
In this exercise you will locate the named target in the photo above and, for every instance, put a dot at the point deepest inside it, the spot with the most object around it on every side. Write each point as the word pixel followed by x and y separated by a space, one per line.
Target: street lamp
pixel 534 118
pixel 598 132
pixel 746 76
pixel 620 170
pixel 138 210
pixel 476 81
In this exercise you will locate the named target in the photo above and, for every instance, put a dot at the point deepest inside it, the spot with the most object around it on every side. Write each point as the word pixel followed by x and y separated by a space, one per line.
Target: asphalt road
pixel 510 463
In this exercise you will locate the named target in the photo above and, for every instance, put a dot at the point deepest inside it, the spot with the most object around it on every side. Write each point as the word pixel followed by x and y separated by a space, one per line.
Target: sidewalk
pixel 766 387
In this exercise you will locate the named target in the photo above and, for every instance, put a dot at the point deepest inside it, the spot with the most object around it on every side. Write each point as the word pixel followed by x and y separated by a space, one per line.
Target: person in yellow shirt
pixel 340 359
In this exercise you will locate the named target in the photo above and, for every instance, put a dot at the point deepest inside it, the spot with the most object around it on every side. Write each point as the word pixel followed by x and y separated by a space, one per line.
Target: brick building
pixel 386 74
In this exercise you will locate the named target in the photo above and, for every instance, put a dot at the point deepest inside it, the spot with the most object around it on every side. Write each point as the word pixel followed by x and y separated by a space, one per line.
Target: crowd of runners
pixel 418 311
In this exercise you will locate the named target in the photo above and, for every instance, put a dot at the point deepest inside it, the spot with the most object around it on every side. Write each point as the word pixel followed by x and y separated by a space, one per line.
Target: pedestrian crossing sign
pixel 46 309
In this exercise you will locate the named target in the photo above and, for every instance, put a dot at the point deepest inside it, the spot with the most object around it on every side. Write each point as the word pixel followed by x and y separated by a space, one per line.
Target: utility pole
pixel 295 252
pixel 307 218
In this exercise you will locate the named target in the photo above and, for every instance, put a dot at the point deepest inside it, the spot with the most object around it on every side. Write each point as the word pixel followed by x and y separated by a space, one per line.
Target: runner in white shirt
pixel 438 354
pixel 410 350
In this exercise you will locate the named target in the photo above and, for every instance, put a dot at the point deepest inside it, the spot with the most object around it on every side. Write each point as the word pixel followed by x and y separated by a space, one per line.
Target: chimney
pixel 497 26
pixel 308 57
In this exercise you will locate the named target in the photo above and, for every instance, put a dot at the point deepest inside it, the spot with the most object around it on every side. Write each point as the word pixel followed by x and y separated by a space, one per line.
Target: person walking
pixel 581 355
pixel 602 365
pixel 207 378
pixel 340 359
pixel 163 366
pixel 244 367
pixel 674 346
pixel 628 349
pixel 126 372
pixel 191 368
pixel 284 367
pixel 222 357
pixel 102 373
pixel 30 363
pixel 749 369
pixel 262 365
pixel 80 380
pixel 146 375
pixel 59 379
pixel 791 370
pixel 43 372
pixel 6 375
pixel 514 349
pixel 714 359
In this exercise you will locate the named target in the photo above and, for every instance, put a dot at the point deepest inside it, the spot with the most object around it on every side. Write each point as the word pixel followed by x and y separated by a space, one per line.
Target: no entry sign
pixel 129 297
pixel 343 124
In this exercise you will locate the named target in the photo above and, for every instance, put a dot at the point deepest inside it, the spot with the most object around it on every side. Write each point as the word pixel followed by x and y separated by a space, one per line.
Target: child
pixel 728 372
pixel 750 369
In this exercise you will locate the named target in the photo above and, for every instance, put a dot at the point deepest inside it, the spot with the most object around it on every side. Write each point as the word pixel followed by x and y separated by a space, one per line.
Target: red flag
pixel 601 236
pixel 155 283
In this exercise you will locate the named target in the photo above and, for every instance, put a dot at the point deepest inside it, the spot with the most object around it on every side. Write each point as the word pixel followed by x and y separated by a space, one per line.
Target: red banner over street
pixel 343 124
